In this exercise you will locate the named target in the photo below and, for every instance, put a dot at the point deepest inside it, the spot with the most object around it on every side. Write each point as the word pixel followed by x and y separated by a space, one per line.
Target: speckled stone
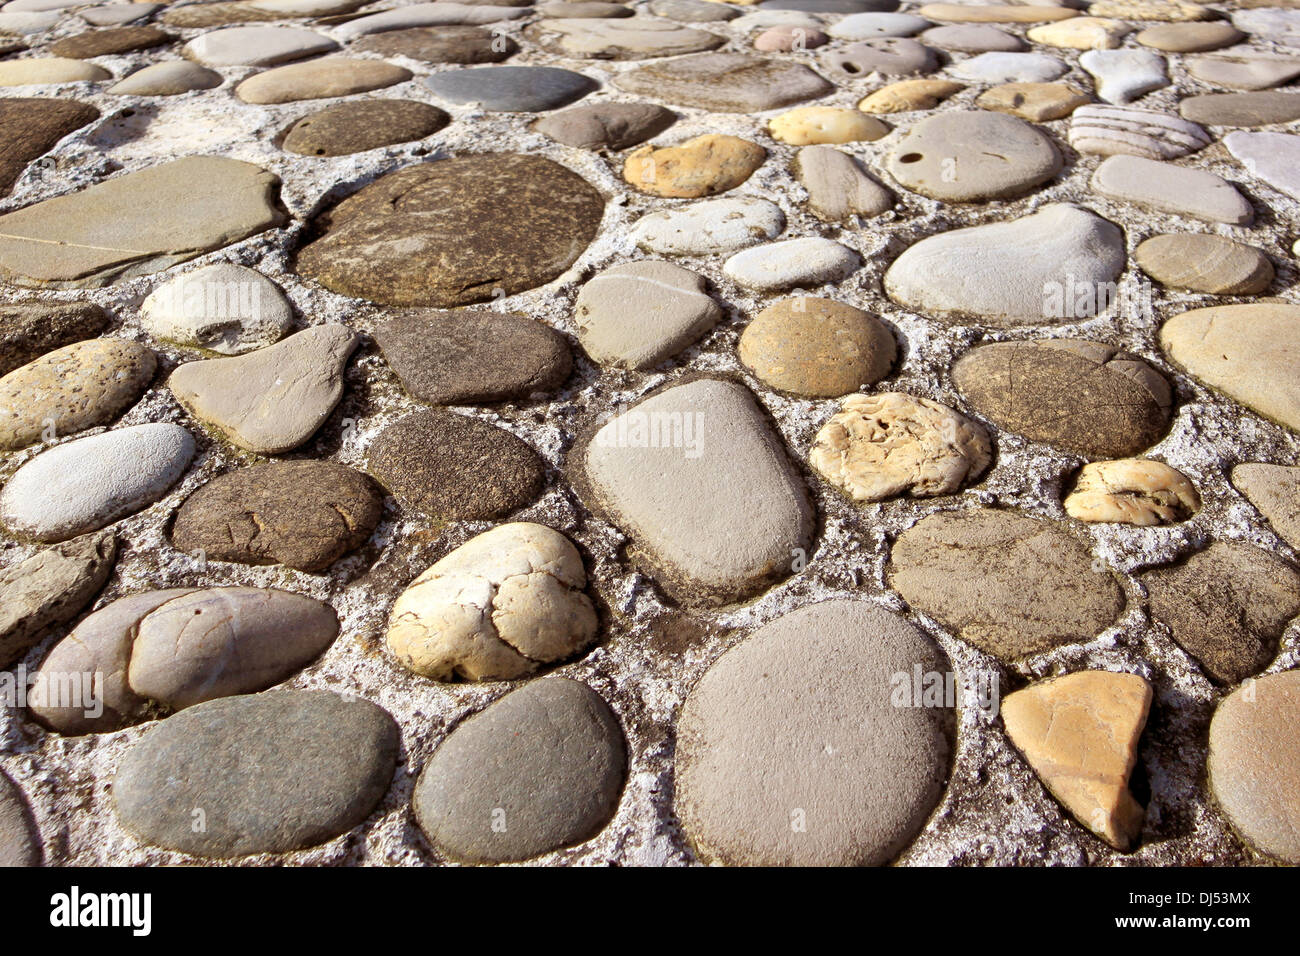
pixel 817 125
pixel 703 166
pixel 455 468
pixel 889 56
pixel 473 357
pixel 1226 606
pixel 448 44
pixel 725 82
pixel 817 348
pixel 792 749
pixel 455 231
pixel 1009 584
pixel 323 767
pixel 539 769
pixel 302 514
pixel 31 127
pixel 1083 397
pixel 29 330
pixel 71 389
pixel 1253 763
pixel 357 126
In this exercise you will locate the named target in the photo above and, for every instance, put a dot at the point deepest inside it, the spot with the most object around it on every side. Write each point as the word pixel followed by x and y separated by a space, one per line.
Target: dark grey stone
pixel 606 125
pixel 540 769
pixel 511 89
pixel 262 773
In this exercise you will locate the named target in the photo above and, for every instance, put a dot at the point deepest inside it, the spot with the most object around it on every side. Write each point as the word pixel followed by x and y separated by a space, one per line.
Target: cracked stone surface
pixel 1132 491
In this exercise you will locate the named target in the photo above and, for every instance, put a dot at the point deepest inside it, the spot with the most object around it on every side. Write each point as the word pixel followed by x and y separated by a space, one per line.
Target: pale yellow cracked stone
pixel 907 95
pixel 1082 33
pixel 879 446
pixel 1080 734
pixel 1164 10
pixel 817 125
pixel 1132 491
pixel 497 608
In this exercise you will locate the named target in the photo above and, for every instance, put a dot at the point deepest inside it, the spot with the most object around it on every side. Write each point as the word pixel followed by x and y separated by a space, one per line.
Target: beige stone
pixel 838 185
pixel 1189 37
pixel 879 446
pixel 43 70
pixel 1080 734
pixel 994 13
pixel 1082 33
pixel 815 125
pixel 1205 263
pixel 497 608
pixel 1033 101
pixel 1150 10
pixel 1132 491
pixel 907 95
pixel 317 79
pixel 703 166
pixel 1275 491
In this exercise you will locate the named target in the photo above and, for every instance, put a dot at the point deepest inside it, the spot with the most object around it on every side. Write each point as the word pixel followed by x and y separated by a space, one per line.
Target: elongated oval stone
pixel 1205 263
pixel 266 773
pixel 666 470
pixel 796 749
pixel 71 389
pixel 83 485
pixel 1131 131
pixel 541 768
pixel 225 641
pixel 1059 264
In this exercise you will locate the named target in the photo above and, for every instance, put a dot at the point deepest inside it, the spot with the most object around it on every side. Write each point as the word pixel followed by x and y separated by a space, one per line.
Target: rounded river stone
pixel 1083 397
pixel 302 514
pixel 454 232
pixel 446 44
pixel 363 124
pixel 541 768
pixel 1009 584
pixel 112 42
pixel 793 748
pixel 606 125
pixel 268 773
pixel 1254 763
pixel 510 89
pixel 725 82
pixel 456 468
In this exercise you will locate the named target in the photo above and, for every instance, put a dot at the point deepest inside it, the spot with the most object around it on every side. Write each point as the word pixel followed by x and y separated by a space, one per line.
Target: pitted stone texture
pixel 1247 352
pixel 499 607
pixel 725 82
pixel 223 308
pixel 1132 491
pixel 638 314
pixel 792 750
pixel 1009 584
pixel 674 493
pixel 1004 274
pixel 1205 263
pixel 1085 398
pixel 888 444
pixel 302 514
pixel 126 226
pixel 472 357
pixel 713 226
pixel 49 588
pixel 1253 763
pixel 1128 130
pixel 891 56
pixel 960 156
pixel 454 468
pixel 549 760
pixel 274 399
pixel 71 389
pixel 1080 733
pixel 1164 187
pixel 838 186
pixel 455 231
pixel 817 348
pixel 84 485
pixel 868 26
pixel 31 329
pixel 1275 491
pixel 272 772
pixel 804 263
pixel 1227 606
pixel 703 166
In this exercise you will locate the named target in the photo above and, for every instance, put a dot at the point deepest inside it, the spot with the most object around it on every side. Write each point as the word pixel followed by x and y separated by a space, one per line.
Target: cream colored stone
pixel 1080 735
pixel 497 608
pixel 879 446
pixel 908 95
pixel 1150 10
pixel 1033 101
pixel 1082 33
pixel 703 166
pixel 816 125
pixel 1132 491
pixel 43 70
pixel 994 13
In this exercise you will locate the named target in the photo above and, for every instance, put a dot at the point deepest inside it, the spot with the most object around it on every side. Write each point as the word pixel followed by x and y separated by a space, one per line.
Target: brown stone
pixel 1205 263
pixel 28 330
pixel 1080 733
pixel 359 125
pixel 30 127
pixel 302 514
pixel 446 44
pixel 111 42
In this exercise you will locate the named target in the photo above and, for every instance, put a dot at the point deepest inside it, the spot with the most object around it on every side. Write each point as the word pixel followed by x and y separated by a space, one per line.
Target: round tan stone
pixel 815 125
pixel 907 95
pixel 817 348
pixel 703 166
pixel 1205 263
pixel 879 446
pixel 1132 491
pixel 1190 37
pixel 995 13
